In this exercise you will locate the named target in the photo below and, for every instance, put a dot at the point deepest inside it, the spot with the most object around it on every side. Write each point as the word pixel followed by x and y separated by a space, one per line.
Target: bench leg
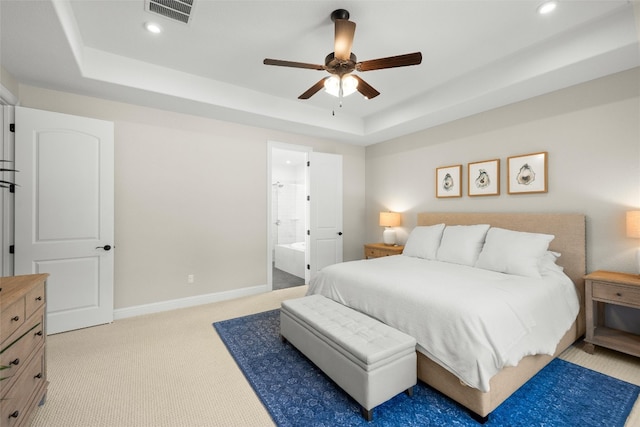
pixel 409 391
pixel 367 414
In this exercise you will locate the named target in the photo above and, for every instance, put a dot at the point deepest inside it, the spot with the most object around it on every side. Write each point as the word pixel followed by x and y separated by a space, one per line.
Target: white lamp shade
pixel 349 85
pixel 633 230
pixel 389 219
pixel 332 85
pixel 633 224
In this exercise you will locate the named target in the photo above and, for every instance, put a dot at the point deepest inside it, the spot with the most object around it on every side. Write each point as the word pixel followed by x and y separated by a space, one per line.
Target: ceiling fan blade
pixel 345 31
pixel 313 89
pixel 390 62
pixel 365 88
pixel 281 63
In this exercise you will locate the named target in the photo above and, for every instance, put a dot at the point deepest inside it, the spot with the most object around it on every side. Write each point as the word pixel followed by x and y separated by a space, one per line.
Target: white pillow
pixel 548 263
pixel 423 241
pixel 514 252
pixel 461 244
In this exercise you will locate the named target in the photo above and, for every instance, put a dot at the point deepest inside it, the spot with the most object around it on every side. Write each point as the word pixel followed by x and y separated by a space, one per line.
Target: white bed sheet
pixel 471 321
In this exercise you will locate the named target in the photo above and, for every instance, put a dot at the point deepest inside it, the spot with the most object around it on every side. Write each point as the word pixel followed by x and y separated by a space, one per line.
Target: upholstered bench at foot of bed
pixel 369 360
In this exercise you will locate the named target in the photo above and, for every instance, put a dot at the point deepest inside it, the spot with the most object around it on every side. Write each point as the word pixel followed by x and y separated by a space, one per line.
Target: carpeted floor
pixel 171 369
pixel 296 393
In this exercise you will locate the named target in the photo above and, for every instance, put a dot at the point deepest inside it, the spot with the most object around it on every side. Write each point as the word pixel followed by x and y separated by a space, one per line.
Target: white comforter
pixel 473 322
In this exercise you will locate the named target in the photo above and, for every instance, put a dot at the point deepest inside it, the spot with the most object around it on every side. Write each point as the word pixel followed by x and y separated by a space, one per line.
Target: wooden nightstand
pixel 377 250
pixel 607 287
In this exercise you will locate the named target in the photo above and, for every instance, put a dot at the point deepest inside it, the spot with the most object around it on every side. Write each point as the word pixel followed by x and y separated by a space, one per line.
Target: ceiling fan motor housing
pixel 336 66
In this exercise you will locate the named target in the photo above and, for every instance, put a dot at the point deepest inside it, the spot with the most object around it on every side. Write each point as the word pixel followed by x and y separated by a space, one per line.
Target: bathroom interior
pixel 288 214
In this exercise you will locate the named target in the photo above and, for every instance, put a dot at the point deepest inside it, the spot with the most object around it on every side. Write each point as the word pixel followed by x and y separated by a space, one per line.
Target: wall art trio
pixel 526 174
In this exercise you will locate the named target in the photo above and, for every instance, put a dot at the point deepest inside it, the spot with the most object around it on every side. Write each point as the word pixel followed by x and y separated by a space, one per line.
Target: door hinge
pixel 308 163
pixel 12 188
pixel 308 198
pixel 12 249
pixel 12 127
pixel 308 266
pixel 308 234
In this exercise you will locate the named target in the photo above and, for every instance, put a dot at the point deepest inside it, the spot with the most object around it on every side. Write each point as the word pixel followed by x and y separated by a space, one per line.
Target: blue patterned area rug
pixel 296 393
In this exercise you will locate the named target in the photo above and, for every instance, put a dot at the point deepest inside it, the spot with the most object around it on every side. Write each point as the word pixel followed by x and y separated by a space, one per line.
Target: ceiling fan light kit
pixel 341 87
pixel 341 63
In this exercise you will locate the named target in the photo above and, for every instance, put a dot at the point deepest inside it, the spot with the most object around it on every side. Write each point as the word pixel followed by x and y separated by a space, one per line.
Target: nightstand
pixel 377 250
pixel 607 287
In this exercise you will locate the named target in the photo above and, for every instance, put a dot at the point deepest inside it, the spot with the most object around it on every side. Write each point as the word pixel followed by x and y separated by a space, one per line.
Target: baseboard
pixel 157 307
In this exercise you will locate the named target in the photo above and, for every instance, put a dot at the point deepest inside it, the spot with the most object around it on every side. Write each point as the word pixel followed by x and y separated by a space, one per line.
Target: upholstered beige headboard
pixel 568 229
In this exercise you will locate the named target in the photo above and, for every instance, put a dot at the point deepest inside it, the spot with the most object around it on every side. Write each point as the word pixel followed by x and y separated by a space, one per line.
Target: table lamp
pixel 633 230
pixel 389 220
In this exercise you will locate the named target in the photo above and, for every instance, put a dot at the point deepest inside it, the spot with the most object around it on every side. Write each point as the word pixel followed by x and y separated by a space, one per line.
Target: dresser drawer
pixel 27 339
pixel 22 348
pixel 377 250
pixel 617 293
pixel 18 399
pixel 12 317
pixel 374 253
pixel 34 299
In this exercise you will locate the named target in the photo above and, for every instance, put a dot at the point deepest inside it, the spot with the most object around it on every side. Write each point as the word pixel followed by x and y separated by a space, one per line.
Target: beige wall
pixel 591 132
pixel 190 198
pixel 8 83
pixel 190 191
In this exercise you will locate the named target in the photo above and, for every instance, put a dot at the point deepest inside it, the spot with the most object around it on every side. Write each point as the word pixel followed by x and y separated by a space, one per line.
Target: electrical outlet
pixel 191 278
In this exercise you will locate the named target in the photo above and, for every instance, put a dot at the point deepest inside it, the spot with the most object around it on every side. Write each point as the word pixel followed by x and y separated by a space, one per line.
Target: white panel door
pixel 325 210
pixel 64 214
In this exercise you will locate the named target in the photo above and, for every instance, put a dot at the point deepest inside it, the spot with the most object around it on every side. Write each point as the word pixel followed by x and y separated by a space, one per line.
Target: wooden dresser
pixel 23 383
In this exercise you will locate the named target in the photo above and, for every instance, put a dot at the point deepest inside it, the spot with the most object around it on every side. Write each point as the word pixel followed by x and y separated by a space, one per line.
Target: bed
pixel 505 360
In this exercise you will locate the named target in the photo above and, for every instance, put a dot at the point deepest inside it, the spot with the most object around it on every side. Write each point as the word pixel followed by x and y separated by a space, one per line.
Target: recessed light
pixel 547 7
pixel 153 27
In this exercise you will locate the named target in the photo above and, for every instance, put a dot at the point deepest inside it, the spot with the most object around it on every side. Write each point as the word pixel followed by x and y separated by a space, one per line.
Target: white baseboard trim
pixel 157 307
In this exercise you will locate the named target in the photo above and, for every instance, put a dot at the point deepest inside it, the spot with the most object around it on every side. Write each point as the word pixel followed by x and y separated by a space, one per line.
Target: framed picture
pixel 484 178
pixel 527 173
pixel 449 181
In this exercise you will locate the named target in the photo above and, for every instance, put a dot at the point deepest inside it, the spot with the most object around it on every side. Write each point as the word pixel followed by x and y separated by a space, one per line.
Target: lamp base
pixel 389 236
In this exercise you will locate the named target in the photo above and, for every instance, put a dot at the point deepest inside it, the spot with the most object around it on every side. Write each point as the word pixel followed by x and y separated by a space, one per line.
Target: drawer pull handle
pixel 15 414
pixel 618 294
pixel 39 333
pixel 15 318
pixel 15 362
pixel 38 376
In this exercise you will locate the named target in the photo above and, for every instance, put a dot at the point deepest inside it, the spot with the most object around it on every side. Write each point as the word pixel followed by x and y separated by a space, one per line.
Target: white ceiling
pixel 477 55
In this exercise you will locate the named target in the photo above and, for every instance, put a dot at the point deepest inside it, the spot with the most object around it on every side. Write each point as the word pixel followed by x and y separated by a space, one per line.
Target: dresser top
pixel 15 287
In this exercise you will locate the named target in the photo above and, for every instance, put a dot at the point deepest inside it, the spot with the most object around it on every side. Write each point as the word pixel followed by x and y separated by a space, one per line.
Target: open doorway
pixel 288 215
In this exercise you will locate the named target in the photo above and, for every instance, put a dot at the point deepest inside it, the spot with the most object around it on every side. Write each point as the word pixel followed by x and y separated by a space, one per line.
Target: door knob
pixel 105 247
pixel 339 233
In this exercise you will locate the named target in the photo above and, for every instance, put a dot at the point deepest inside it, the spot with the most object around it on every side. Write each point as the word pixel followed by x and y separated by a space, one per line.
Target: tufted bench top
pixel 363 339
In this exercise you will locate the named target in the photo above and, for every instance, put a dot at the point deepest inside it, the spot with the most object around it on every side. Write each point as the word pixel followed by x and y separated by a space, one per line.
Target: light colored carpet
pixel 172 369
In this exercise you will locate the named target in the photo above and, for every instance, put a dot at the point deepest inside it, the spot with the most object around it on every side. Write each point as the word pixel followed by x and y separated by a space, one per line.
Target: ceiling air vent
pixel 178 10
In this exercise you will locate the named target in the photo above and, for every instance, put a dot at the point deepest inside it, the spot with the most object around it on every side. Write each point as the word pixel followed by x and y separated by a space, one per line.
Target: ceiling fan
pixel 342 62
